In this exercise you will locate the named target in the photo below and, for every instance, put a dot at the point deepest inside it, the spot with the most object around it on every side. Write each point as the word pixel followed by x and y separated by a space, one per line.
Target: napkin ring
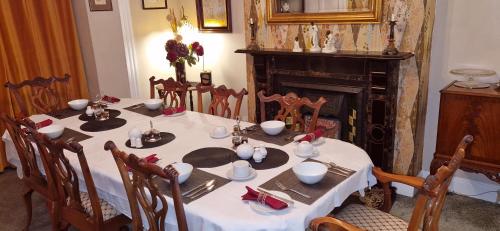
pixel 262 198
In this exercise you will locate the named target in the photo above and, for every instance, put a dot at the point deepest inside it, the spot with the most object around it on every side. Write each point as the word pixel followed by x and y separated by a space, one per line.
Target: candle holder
pixel 391 47
pixel 253 36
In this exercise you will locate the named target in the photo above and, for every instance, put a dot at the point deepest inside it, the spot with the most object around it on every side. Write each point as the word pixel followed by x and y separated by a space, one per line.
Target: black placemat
pixel 284 138
pixel 316 191
pixel 65 113
pixel 210 157
pixel 165 139
pixel 99 126
pixel 274 159
pixel 112 114
pixel 197 177
pixel 76 135
pixel 143 110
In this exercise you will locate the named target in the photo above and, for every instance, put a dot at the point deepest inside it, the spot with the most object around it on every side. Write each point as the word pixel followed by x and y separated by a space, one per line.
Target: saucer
pixel 219 137
pixel 230 175
pixel 176 114
pixel 265 209
pixel 316 142
pixel 313 154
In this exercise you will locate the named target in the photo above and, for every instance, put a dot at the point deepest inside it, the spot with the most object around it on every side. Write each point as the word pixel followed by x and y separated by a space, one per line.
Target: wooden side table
pixel 470 111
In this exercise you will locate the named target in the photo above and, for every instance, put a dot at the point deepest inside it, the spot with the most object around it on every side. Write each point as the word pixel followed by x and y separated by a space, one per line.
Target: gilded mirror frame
pixel 373 15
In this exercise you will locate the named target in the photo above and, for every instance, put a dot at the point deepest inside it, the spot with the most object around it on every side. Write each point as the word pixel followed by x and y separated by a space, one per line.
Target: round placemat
pixel 165 139
pixel 210 157
pixel 275 158
pixel 112 114
pixel 99 126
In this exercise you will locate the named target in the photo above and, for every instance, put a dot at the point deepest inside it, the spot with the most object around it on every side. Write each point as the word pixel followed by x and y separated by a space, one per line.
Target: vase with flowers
pixel 178 54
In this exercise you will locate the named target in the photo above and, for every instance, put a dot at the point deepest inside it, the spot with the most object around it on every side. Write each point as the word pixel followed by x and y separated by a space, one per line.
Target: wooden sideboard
pixel 475 112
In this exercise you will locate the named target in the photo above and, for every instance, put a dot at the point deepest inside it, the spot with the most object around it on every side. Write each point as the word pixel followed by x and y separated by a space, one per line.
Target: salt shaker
pixel 133 143
pixel 257 156
pixel 89 111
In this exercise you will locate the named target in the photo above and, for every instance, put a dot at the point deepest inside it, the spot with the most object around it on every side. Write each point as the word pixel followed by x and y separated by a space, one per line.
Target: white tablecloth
pixel 223 208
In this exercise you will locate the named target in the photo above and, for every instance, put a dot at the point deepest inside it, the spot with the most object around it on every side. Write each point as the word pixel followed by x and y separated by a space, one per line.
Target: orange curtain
pixel 37 38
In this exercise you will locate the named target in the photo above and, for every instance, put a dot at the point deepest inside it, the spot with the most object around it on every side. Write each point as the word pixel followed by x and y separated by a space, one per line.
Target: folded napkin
pixel 110 99
pixel 43 123
pixel 310 137
pixel 274 203
pixel 149 159
pixel 173 110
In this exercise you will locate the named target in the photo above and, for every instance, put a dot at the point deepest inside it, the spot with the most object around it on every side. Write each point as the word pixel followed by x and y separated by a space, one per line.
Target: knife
pixel 206 190
pixel 199 187
pixel 289 202
pixel 335 171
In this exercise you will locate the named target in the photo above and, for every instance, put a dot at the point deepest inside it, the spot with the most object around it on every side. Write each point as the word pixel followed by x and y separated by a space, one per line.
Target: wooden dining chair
pixel 219 104
pixel 430 201
pixel 83 210
pixel 153 203
pixel 172 92
pixel 290 106
pixel 33 179
pixel 46 94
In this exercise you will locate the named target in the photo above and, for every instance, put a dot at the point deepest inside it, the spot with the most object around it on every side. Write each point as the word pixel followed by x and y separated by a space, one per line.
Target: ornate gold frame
pixel 374 15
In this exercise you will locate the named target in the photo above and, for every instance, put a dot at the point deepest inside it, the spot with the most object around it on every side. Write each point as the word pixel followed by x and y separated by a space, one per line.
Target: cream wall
pixel 466 33
pixel 151 31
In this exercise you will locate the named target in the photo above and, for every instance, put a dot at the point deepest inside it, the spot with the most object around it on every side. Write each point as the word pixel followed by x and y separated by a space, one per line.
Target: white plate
pixel 313 154
pixel 176 114
pixel 230 175
pixel 316 142
pixel 265 209
pixel 220 137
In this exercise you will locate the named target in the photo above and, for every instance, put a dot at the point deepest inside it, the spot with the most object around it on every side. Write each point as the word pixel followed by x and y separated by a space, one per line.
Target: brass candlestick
pixel 391 47
pixel 253 36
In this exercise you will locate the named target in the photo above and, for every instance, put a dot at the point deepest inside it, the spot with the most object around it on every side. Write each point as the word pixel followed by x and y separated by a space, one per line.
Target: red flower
pixel 182 50
pixel 170 45
pixel 194 45
pixel 199 50
pixel 172 56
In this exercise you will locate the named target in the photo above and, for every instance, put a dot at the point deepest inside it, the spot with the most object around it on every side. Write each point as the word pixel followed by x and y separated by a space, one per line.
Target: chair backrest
pixel 430 199
pixel 152 201
pixel 24 139
pixel 172 92
pixel 290 105
pixel 67 182
pixel 219 104
pixel 45 96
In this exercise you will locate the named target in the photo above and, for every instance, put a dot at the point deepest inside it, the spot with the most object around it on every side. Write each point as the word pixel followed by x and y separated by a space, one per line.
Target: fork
pixel 334 165
pixel 284 188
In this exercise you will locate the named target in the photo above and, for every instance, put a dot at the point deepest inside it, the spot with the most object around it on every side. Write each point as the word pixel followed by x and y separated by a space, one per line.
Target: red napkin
pixel 110 99
pixel 313 136
pixel 149 159
pixel 44 123
pixel 274 203
pixel 173 110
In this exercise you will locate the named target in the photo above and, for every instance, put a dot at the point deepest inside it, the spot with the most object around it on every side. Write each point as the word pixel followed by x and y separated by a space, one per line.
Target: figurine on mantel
pixel 329 43
pixel 296 45
pixel 314 33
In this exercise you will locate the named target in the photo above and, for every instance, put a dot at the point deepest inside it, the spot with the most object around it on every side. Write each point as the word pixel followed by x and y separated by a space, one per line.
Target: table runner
pixel 197 177
pixel 284 138
pixel 99 126
pixel 165 139
pixel 65 113
pixel 76 135
pixel 317 190
pixel 143 110
pixel 112 114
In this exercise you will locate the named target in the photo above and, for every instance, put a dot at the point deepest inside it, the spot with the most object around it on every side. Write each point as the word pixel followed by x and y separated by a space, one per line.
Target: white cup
pixel 219 131
pixel 241 168
pixel 305 148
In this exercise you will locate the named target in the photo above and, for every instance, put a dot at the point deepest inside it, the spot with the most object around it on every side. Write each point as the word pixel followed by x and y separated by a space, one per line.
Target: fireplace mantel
pixel 368 79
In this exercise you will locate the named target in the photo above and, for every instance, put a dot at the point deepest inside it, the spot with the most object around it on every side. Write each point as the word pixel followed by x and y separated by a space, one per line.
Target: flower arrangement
pixel 178 52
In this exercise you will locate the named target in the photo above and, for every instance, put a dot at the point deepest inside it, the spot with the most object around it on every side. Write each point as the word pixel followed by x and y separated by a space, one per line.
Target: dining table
pixel 223 208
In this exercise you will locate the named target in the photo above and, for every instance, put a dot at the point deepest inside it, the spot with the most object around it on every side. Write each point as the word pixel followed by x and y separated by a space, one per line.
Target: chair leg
pixel 55 216
pixel 27 203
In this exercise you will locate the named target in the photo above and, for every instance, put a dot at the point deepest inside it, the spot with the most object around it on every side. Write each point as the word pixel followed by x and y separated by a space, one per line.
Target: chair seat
pixel 371 219
pixel 108 211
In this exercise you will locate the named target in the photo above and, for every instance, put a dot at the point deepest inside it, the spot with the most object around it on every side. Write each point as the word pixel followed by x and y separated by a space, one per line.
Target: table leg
pixel 191 106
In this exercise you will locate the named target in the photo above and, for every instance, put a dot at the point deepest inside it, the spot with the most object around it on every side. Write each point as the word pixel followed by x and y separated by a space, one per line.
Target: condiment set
pixel 153 135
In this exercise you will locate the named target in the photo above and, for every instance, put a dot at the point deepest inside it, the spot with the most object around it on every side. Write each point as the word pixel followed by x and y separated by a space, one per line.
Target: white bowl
pixel 78 104
pixel 52 131
pixel 184 170
pixel 272 127
pixel 310 172
pixel 153 104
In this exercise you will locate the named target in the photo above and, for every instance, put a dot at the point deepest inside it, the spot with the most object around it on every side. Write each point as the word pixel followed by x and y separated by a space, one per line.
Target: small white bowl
pixel 184 170
pixel 52 131
pixel 153 104
pixel 78 104
pixel 272 127
pixel 310 172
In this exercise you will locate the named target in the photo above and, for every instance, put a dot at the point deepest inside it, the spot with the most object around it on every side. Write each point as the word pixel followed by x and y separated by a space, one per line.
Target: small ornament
pixel 296 45
pixel 314 33
pixel 329 43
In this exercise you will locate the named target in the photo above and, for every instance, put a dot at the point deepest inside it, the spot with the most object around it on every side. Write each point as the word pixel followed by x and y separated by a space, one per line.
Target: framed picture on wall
pixel 154 4
pixel 214 15
pixel 100 5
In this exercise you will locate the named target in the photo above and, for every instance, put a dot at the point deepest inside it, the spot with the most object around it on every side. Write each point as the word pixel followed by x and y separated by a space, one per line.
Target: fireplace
pixel 361 89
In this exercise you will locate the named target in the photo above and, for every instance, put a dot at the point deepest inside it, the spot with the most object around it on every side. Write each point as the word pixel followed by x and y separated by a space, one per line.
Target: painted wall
pixel 151 31
pixel 466 33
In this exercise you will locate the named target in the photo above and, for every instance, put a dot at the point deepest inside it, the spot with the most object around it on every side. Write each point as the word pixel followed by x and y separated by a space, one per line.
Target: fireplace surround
pixel 361 89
